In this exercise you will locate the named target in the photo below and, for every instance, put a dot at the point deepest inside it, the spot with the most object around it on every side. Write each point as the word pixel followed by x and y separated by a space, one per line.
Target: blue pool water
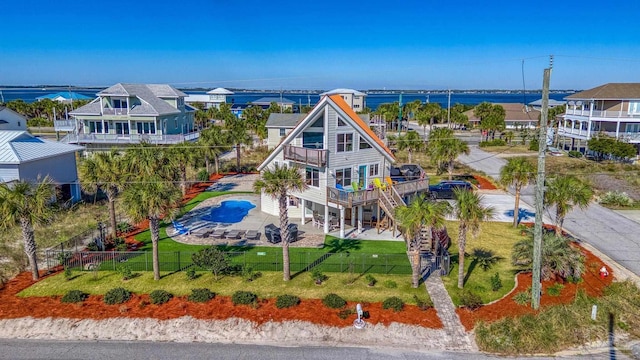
pixel 229 211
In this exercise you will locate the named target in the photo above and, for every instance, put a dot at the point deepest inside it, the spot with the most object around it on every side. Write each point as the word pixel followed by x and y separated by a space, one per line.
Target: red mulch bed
pixel 483 183
pixel 592 284
pixel 220 308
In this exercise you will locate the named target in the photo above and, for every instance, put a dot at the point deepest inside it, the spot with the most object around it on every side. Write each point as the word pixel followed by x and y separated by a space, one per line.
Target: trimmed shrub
pixel 522 298
pixel 116 296
pixel 74 296
pixel 394 303
pixel 575 154
pixel 243 298
pixel 334 301
pixel 248 274
pixel 423 304
pixel 496 283
pixel 124 227
pixel 390 284
pixel 125 271
pixel 287 301
pixel 555 289
pixel 212 259
pixel 616 198
pixel 371 281
pixel 534 144
pixel 318 276
pixel 201 295
pixel 67 273
pixel 160 297
pixel 191 274
pixel 470 300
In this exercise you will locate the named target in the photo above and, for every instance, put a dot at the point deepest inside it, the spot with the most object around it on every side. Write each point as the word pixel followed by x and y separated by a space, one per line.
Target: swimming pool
pixel 229 211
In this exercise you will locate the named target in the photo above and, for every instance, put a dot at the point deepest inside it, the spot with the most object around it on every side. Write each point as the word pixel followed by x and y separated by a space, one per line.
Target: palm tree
pixel 559 258
pixel 518 172
pixel 411 141
pixel 491 118
pixel 443 149
pixel 565 192
pixel 106 171
pixel 278 183
pixel 27 204
pixel 470 213
pixel 152 199
pixel 213 142
pixel 238 135
pixel 420 213
pixel 183 156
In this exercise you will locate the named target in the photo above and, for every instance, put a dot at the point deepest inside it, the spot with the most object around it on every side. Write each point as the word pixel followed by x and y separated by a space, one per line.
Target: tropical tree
pixel 389 111
pixel 470 213
pixel 565 192
pixel 151 199
pixel 105 171
pixel 277 183
pixel 238 135
pixel 458 116
pixel 183 156
pixel 27 204
pixel 420 213
pixel 213 142
pixel 517 172
pixel 558 258
pixel 443 149
pixel 491 118
pixel 256 120
pixel 411 141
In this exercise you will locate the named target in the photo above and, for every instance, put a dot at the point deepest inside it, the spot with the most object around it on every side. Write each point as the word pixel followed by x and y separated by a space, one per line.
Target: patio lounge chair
pixel 334 224
pixel 233 234
pixel 378 184
pixel 252 235
pixel 293 232
pixel 355 186
pixel 218 233
pixel 202 232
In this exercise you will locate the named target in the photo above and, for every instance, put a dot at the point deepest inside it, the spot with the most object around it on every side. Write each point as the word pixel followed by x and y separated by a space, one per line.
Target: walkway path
pixel 459 338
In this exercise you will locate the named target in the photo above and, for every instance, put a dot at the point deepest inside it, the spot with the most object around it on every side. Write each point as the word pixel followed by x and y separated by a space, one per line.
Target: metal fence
pixel 257 260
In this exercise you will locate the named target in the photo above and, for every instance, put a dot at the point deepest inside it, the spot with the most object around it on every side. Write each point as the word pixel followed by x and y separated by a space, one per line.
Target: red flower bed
pixel 483 183
pixel 592 284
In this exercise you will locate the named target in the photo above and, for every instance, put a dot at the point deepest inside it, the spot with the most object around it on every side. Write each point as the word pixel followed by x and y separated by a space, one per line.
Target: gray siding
pixel 9 173
pixel 62 169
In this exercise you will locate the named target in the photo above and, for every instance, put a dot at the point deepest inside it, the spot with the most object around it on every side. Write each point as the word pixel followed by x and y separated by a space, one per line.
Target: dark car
pixel 444 189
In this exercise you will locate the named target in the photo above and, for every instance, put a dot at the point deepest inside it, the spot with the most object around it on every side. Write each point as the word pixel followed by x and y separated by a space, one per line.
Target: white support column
pixel 326 219
pixel 341 222
pixel 353 217
pixel 617 128
pixel 303 212
pixel 360 218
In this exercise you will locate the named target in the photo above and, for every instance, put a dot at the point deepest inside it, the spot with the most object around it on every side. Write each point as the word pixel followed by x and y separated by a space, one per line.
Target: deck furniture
pixel 293 232
pixel 218 233
pixel 233 234
pixel 252 235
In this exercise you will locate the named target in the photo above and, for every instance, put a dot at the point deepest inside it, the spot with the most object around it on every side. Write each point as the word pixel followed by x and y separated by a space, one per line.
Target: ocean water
pixel 300 98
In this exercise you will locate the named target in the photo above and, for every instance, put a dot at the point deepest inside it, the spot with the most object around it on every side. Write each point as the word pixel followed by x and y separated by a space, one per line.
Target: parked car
pixel 444 189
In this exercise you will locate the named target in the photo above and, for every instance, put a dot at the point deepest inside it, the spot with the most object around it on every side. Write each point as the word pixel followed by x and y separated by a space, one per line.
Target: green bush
pixel 317 275
pixel 496 283
pixel 371 281
pixel 191 274
pixel 201 295
pixel 116 296
pixel 287 301
pixel 124 227
pixel 243 298
pixel 485 258
pixel 345 313
pixel 555 289
pixel 494 142
pixel 125 272
pixel 575 154
pixel 67 273
pixel 394 303
pixel 390 284
pixel 63 257
pixel 334 301
pixel 160 297
pixel 522 298
pixel 470 300
pixel 534 144
pixel 616 198
pixel 423 304
pixel 203 175
pixel 74 296
pixel 248 274
pixel 211 259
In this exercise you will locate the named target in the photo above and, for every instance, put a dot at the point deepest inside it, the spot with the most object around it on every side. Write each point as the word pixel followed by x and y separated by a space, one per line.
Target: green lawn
pixel 495 236
pixel 269 285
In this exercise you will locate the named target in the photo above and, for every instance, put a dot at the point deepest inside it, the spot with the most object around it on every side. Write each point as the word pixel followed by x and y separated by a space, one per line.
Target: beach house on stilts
pixel 350 171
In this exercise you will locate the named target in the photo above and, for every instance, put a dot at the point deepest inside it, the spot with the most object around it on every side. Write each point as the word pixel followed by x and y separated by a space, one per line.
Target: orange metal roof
pixel 338 100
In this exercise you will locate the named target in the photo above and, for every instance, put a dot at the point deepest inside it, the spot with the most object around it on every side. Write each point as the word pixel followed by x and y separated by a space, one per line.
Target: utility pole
pixel 449 110
pixel 400 113
pixel 540 183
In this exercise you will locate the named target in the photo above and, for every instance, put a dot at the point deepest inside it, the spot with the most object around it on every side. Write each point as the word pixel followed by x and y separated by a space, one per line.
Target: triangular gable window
pixel 364 144
pixel 341 122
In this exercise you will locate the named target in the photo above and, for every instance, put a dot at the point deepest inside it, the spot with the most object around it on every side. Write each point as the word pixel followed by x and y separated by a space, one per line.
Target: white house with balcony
pixel 213 98
pixel 347 167
pixel 354 98
pixel 11 120
pixel 612 109
pixel 131 113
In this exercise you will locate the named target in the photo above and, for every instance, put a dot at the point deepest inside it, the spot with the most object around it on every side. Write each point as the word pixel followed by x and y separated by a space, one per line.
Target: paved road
pixel 71 350
pixel 613 234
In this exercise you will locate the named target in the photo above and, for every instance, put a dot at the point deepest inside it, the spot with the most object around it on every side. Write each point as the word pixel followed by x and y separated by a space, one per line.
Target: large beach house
pixel 11 120
pixel 354 98
pixel 612 109
pixel 131 113
pixel 347 167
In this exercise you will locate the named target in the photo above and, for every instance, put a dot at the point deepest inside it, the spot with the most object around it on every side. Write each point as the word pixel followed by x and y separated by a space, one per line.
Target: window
pixel 146 127
pixel 95 127
pixel 18 123
pixel 292 201
pixel 345 142
pixel 341 122
pixel 119 104
pixel 634 108
pixel 312 177
pixel 343 177
pixel 374 170
pixel 283 132
pixel 364 144
pixel 356 105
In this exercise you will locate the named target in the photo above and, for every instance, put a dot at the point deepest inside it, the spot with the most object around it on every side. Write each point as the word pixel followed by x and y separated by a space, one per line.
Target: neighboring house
pixel 131 113
pixel 612 109
pixel 64 97
pixel 517 116
pixel 279 125
pixel 337 151
pixel 537 105
pixel 26 157
pixel 354 98
pixel 211 99
pixel 11 120
pixel 265 102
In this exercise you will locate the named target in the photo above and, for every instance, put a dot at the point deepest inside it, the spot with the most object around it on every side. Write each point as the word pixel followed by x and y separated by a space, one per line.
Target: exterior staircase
pixel 388 201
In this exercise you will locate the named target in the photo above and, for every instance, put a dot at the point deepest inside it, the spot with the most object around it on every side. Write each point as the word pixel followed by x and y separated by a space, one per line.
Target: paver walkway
pixel 458 337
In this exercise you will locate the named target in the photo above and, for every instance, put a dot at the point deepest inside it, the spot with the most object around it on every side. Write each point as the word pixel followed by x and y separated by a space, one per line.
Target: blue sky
pixel 454 44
